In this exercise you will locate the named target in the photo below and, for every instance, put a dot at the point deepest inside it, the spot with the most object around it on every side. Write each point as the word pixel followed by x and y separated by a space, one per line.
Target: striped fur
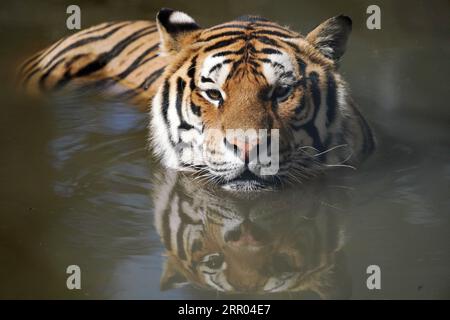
pixel 119 57
pixel 262 75
pixel 269 244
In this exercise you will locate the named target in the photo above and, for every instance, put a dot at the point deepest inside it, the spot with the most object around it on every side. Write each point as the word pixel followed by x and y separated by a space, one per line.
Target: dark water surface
pixel 78 185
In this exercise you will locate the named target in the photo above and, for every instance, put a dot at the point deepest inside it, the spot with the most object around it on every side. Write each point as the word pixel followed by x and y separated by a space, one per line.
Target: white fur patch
pixel 160 136
pixel 179 17
pixel 220 75
pixel 271 72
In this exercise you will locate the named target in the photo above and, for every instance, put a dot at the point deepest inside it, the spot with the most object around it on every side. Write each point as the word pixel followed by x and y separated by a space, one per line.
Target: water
pixel 78 185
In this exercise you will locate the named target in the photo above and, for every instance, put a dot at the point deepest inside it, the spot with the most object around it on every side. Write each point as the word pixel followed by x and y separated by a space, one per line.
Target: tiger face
pixel 263 245
pixel 280 90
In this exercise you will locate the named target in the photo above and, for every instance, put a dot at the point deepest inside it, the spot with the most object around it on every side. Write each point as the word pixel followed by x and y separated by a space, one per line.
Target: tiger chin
pixel 249 74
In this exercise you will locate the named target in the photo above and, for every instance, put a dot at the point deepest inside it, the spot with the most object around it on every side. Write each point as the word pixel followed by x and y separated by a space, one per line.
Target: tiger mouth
pixel 248 181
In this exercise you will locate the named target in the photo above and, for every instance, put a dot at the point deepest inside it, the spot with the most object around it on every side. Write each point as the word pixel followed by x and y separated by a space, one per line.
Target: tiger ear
pixel 330 37
pixel 175 29
pixel 171 277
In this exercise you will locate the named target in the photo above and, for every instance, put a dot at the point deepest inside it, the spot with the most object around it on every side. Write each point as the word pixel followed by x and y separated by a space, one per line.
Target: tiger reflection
pixel 272 243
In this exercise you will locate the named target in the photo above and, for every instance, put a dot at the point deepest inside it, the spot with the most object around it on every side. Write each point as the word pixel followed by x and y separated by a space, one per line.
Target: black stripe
pixel 301 67
pixel 180 245
pixel 28 77
pixel 256 73
pixel 185 126
pixel 302 83
pixel 287 74
pixel 166 231
pixel 191 72
pixel 33 69
pixel 270 51
pixel 180 232
pixel 148 59
pixel 165 106
pixel 196 109
pixel 222 44
pixel 184 217
pixel 268 41
pixel 278 65
pixel 205 80
pixel 301 105
pixel 229 52
pixel 273 63
pixel 309 127
pixel 151 78
pixel 217 66
pixel 223 34
pixel 234 68
pixel 46 52
pixel 143 86
pixel 292 45
pixel 253 63
pixel 197 245
pixel 265 60
pixel 67 76
pixel 137 62
pixel 181 85
pixel 85 41
pixel 315 89
pixel 99 28
pixel 47 74
pixel 331 99
pixel 104 58
pixel 28 62
pixel 129 53
pixel 274 33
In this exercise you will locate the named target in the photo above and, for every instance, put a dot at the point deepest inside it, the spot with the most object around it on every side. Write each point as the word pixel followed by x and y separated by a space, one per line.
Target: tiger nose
pixel 244 148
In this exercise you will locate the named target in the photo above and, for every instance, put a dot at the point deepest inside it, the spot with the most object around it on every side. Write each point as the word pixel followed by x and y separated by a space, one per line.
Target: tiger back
pixel 121 58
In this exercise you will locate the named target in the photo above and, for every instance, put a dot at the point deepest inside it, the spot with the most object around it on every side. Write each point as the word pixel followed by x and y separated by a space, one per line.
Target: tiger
pixel 199 83
pixel 259 246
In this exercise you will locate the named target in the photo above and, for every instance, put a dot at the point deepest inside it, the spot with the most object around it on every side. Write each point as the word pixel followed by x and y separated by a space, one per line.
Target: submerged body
pixel 248 74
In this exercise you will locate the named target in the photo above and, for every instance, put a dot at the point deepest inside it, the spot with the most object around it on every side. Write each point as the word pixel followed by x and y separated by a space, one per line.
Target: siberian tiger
pixel 262 245
pixel 248 74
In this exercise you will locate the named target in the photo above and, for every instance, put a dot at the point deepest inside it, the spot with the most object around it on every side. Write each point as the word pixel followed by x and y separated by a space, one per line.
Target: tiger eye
pixel 214 94
pixel 281 92
pixel 214 261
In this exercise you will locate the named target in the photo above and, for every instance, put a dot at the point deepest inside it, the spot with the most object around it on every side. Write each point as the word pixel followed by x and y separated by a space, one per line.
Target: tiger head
pixel 263 245
pixel 272 85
